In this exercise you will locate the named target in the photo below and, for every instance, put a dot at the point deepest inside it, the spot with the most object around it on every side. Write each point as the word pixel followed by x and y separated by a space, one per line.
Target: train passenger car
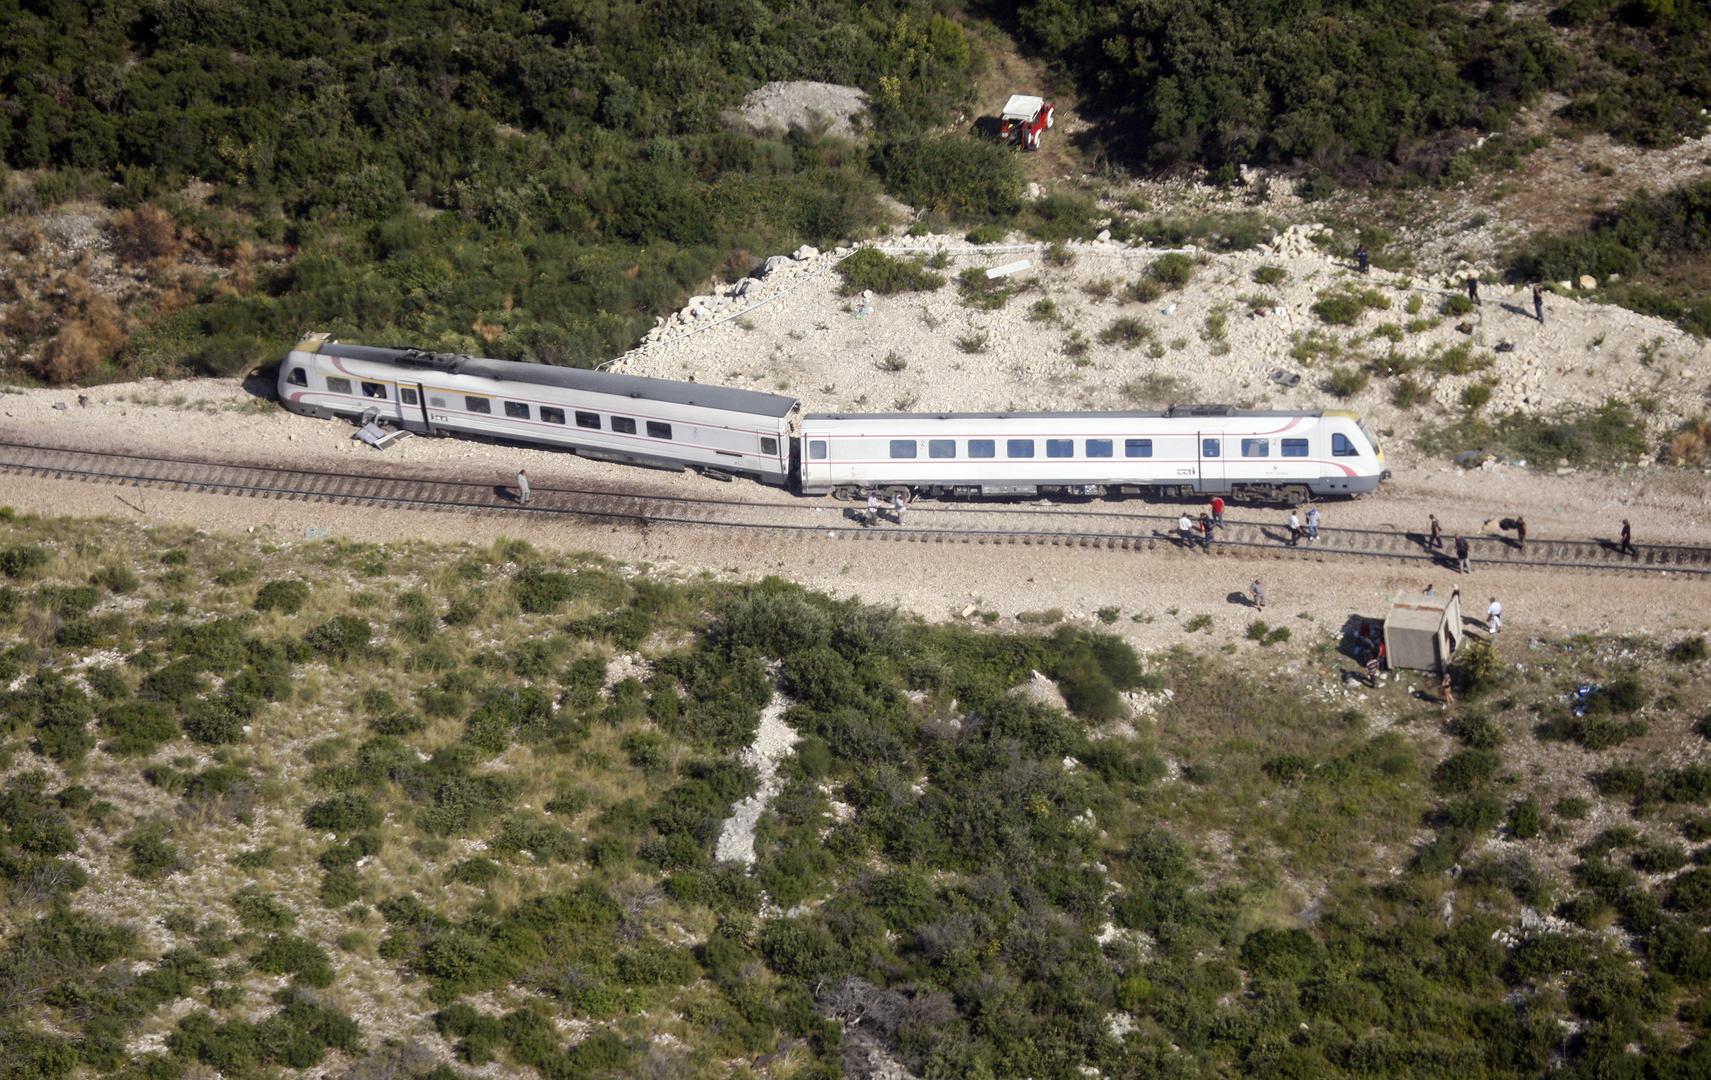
pixel 1189 450
pixel 661 423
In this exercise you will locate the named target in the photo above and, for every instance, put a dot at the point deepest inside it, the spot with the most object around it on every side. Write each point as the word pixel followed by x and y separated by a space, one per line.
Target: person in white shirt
pixel 1185 529
pixel 1494 617
pixel 1294 528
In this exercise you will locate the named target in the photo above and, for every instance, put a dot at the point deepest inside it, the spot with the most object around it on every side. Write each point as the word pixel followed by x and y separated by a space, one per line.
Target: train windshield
pixel 1371 439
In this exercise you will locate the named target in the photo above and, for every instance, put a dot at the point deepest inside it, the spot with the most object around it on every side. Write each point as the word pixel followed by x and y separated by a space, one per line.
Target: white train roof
pixel 1177 412
pixel 703 395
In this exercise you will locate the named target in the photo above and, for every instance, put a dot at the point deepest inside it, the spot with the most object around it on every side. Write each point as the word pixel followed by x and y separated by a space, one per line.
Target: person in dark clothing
pixel 1521 534
pixel 1473 288
pixel 1205 530
pixel 1462 562
pixel 1361 258
pixel 1627 547
pixel 1539 303
pixel 1436 540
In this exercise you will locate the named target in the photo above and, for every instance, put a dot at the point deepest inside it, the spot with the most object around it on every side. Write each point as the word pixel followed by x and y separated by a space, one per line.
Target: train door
pixel 1212 448
pixel 413 408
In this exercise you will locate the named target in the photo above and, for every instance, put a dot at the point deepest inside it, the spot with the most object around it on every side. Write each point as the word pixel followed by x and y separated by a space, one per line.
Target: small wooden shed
pixel 1422 631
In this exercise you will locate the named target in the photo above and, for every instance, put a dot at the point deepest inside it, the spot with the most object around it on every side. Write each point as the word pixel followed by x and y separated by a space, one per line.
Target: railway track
pixel 1108 526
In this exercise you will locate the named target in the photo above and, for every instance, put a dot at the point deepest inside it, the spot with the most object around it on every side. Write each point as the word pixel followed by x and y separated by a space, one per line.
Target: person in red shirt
pixel 1218 510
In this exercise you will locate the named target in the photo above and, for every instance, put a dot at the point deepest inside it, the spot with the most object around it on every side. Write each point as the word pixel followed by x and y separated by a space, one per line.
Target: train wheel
pixel 846 492
pixel 1293 493
pixel 896 491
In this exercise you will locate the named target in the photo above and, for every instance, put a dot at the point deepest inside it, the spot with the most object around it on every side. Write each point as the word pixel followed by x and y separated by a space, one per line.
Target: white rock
pixel 806 251
pixel 1587 281
pixel 777 262
pixel 1104 235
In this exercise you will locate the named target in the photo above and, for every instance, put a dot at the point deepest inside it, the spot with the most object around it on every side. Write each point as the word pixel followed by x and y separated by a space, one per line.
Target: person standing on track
pixel 1294 528
pixel 1218 511
pixel 1436 539
pixel 523 495
pixel 1313 524
pixel 1205 531
pixel 1463 563
pixel 898 506
pixel 1627 546
pixel 872 508
pixel 1521 534
pixel 1185 530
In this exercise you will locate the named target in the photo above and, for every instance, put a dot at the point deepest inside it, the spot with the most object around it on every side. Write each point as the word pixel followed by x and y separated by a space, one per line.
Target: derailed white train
pixel 724 432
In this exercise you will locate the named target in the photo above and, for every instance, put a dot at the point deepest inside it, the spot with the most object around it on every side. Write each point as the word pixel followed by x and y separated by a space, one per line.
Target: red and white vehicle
pixel 1024 120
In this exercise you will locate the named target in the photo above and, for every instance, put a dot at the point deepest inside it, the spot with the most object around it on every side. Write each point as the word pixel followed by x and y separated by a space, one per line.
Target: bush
pixel 1525 819
pixel 1270 275
pixel 23 560
pixel 1466 769
pixel 885 275
pixel 1689 650
pixel 345 813
pixel 287 954
pixel 540 592
pixel 286 596
pixel 969 179
pixel 1347 382
pixel 1172 270
pixel 343 637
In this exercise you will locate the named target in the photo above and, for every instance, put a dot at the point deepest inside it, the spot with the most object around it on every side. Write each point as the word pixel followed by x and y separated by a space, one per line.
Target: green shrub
pixel 286 596
pixel 987 233
pixel 1347 382
pixel 343 637
pixel 981 292
pixel 258 910
pixel 1525 819
pixel 287 954
pixel 1455 305
pixel 1475 396
pixel 23 560
pixel 137 728
pixel 344 813
pixel 1466 769
pixel 539 591
pixel 1173 270
pixel 1689 650
pixel 870 269
pixel 152 856
pixel 969 179
pixel 1126 332
pixel 1270 275
pixel 1338 309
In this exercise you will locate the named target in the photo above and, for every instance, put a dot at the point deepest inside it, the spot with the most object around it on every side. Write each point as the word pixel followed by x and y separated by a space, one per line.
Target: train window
pixel 1256 447
pixel 769 445
pixel 982 448
pixel 338 386
pixel 1341 446
pixel 816 449
pixel 1295 448
pixel 1019 448
pixel 903 448
pixel 516 410
pixel 623 425
pixel 1098 448
pixel 657 430
pixel 477 404
pixel 941 448
pixel 1210 447
pixel 1137 448
pixel 550 415
pixel 296 377
pixel 1060 447
pixel 588 419
pixel 407 396
pixel 374 390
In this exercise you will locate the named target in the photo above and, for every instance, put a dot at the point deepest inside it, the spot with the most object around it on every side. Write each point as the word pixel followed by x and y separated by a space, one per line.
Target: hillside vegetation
pixel 400 810
pixel 1360 90
pixel 527 181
